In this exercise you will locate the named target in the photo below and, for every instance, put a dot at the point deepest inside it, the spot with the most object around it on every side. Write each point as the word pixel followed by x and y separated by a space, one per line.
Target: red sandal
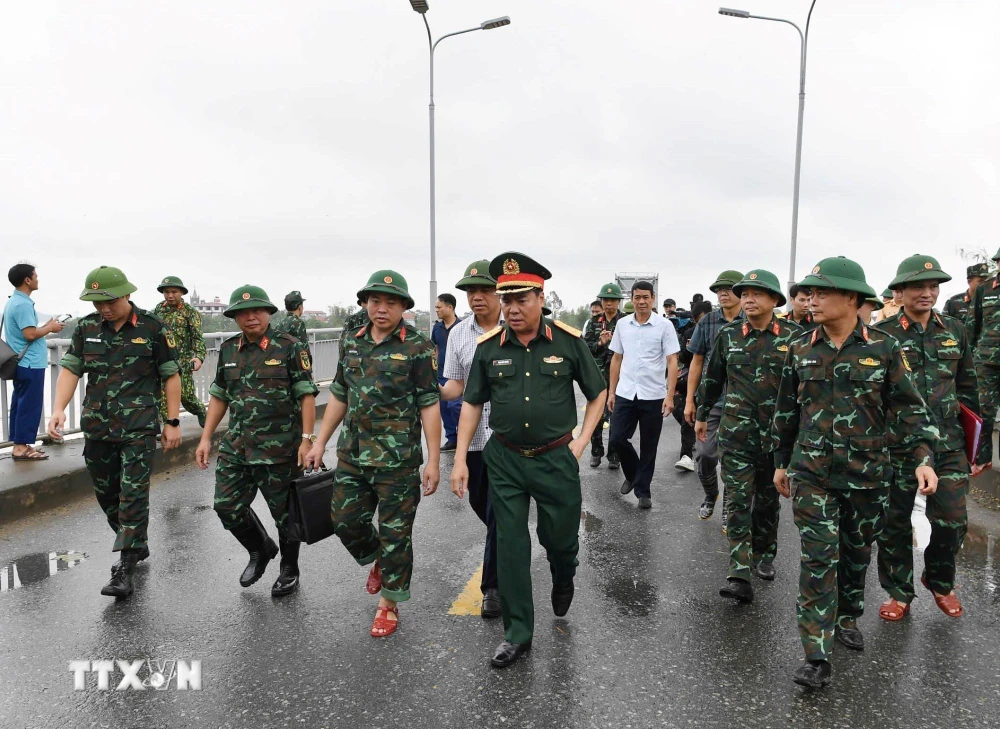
pixel 382 627
pixel 374 583
pixel 893 610
pixel 950 604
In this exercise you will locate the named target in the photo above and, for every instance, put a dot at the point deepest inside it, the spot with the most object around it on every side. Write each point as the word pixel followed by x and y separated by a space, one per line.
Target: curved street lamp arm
pixel 433 44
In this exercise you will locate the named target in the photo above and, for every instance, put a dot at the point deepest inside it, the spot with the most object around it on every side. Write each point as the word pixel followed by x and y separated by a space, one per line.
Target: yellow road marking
pixel 471 600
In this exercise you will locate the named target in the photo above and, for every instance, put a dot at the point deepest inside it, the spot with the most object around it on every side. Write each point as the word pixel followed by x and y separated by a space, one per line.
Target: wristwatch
pixel 175 422
pixel 310 438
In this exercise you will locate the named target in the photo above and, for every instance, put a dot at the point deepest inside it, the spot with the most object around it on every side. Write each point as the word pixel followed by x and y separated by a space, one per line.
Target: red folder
pixel 972 424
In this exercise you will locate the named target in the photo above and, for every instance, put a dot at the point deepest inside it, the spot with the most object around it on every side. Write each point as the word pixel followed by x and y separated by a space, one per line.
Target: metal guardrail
pixel 324 345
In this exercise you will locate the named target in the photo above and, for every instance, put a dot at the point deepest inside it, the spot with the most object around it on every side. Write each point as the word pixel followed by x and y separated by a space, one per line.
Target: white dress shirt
pixel 644 349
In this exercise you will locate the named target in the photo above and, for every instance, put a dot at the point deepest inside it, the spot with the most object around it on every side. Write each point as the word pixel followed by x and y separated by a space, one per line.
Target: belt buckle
pixel 529 452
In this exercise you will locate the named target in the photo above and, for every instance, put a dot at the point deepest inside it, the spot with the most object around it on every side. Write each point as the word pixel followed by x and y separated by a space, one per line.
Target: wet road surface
pixel 648 641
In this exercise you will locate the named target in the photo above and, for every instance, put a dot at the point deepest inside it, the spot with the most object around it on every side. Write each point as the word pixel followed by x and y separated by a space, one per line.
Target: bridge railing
pixel 323 343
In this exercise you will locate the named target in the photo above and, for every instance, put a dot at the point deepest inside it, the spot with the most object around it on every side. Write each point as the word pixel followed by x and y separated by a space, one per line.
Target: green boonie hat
pixel 918 268
pixel 838 273
pixel 171 282
pixel 629 307
pixel 515 273
pixel 293 299
pixel 387 282
pixel 106 284
pixel 610 291
pixel 477 274
pixel 761 279
pixel 726 280
pixel 979 269
pixel 876 302
pixel 248 297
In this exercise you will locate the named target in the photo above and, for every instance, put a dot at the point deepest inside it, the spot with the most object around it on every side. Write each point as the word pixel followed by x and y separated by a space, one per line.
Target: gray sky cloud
pixel 286 143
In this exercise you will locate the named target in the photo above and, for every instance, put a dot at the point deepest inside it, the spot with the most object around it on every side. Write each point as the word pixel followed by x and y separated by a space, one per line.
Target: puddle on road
pixel 36 567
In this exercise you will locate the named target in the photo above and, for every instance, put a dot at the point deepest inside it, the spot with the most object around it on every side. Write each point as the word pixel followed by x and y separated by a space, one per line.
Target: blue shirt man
pixel 450 410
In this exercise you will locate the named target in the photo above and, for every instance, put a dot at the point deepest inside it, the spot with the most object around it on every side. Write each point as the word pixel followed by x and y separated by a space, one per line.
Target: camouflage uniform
pixel 829 428
pixel 982 323
pixel 958 305
pixel 385 385
pixel 746 365
pixel 262 383
pixel 124 370
pixel 944 373
pixel 292 324
pixel 602 355
pixel 184 324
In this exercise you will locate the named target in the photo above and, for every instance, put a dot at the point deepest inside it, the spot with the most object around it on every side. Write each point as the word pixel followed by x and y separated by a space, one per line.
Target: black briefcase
pixel 309 499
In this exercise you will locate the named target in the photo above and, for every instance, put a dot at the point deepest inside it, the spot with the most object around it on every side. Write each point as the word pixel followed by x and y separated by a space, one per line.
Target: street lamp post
pixel 803 46
pixel 421 7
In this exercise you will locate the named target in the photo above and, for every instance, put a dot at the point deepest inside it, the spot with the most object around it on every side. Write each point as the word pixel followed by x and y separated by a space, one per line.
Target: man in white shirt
pixel 644 347
pixel 480 289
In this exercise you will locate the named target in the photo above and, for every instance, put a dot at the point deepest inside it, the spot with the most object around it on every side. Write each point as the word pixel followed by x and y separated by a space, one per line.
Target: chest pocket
pixel 501 382
pixel 135 352
pixel 272 373
pixel 393 376
pixel 94 351
pixel 949 360
pixel 914 357
pixel 866 384
pixel 738 359
pixel 556 381
pixel 231 374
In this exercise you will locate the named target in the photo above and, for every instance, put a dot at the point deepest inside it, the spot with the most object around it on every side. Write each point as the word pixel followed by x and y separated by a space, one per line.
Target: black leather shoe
pixel 595 461
pixel 613 463
pixel 626 487
pixel 739 590
pixel 850 637
pixel 765 571
pixel 506 653
pixel 121 584
pixel 562 598
pixel 707 508
pixel 814 674
pixel 449 446
pixel 491 604
pixel 645 502
pixel 142 554
pixel 288 577
pixel 261 548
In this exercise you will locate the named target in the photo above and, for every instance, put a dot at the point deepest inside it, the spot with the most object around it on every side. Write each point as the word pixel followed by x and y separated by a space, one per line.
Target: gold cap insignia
pixel 388 279
pixel 140 340
pixel 473 271
pixel 753 276
pixel 95 285
pixel 950 343
pixel 783 348
pixel 510 267
pixel 166 279
pixel 400 357
pixel 272 362
pixel 816 269
pixel 869 362
pixel 246 297
pixel 928 265
pixel 609 289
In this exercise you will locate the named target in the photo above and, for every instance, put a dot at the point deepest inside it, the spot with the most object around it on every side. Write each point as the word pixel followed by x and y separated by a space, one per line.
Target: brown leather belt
pixel 534 450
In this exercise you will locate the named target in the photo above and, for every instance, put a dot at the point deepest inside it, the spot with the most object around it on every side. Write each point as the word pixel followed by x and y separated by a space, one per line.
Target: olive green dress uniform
pixel 184 324
pixel 830 422
pixel 385 385
pixel 745 365
pixel 124 370
pixel 943 371
pixel 982 322
pixel 532 401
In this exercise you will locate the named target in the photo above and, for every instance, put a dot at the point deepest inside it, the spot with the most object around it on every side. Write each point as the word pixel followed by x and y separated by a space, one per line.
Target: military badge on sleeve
pixel 170 340
pixel 305 361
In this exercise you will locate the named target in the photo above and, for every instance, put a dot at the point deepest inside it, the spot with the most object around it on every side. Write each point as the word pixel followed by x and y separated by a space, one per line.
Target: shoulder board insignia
pixel 950 343
pixel 552 360
pixel 272 362
pixel 398 356
pixel 782 347
pixel 869 362
pixel 567 328
pixel 140 340
pixel 488 335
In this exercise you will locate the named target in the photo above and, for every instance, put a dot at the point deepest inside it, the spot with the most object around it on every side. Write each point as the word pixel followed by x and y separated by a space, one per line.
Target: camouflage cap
pixel 293 299
pixel 248 297
pixel 838 273
pixel 477 274
pixel 172 282
pixel 761 279
pixel 610 291
pixel 106 284
pixel 726 280
pixel 980 269
pixel 387 282
pixel 918 267
pixel 516 273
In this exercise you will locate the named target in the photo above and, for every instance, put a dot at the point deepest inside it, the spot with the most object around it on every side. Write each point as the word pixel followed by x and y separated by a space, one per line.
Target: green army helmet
pixel 978 269
pixel 888 294
pixel 918 268
pixel 629 307
pixel 248 297
pixel 476 274
pixel 876 302
pixel 106 283
pixel 838 273
pixel 294 299
pixel 387 282
pixel 761 279
pixel 610 291
pixel 516 273
pixel 172 282
pixel 726 280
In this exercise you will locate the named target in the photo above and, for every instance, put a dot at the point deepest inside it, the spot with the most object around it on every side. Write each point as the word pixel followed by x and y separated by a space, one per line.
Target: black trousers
pixel 479 499
pixel 648 416
pixel 687 431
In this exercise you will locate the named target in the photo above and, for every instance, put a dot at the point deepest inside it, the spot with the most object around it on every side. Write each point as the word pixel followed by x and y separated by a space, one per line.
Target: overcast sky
pixel 285 143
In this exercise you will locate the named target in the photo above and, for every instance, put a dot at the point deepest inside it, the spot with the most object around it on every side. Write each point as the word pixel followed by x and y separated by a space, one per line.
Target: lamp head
pixel 734 13
pixel 420 6
pixel 495 23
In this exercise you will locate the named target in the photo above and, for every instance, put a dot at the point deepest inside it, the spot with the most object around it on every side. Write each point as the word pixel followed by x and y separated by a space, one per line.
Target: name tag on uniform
pixel 869 362
pixel 736 349
pixel 229 364
pixel 94 339
pixel 272 362
pixel 502 362
pixel 808 362
pixel 397 356
pixel 140 340
pixel 552 360
pixel 991 297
